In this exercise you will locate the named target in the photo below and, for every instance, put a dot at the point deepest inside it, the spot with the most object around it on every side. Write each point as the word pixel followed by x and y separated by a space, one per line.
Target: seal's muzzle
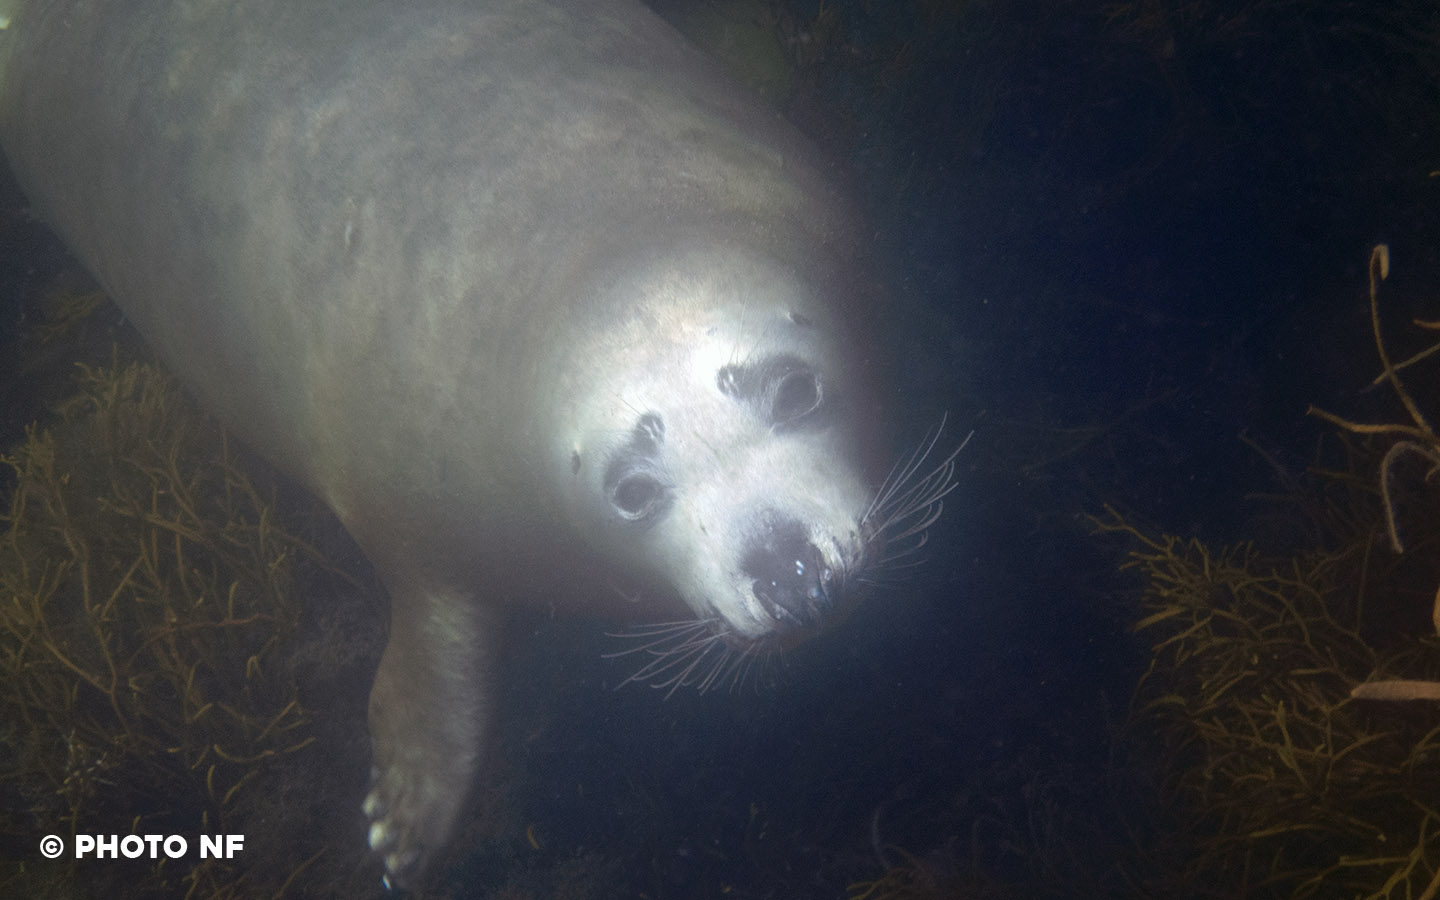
pixel 792 581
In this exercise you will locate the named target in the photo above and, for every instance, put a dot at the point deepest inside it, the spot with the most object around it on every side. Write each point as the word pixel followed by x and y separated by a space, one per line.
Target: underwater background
pixel 1128 245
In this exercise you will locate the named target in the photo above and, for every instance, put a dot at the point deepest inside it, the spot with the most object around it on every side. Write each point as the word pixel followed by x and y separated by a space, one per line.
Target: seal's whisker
pixel 759 663
pixel 682 654
pixel 667 656
pixel 902 472
pixel 920 497
pixel 683 676
pixel 883 576
pixel 674 639
pixel 905 558
pixel 729 666
pixel 655 628
pixel 897 559
pixel 662 632
pixel 717 668
pixel 906 506
pixel 697 656
pixel 740 667
pixel 756 666
pixel 653 672
pixel 931 508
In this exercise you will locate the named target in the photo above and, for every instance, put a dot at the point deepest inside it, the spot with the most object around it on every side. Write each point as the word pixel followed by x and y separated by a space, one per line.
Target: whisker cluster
pixel 689 652
pixel 908 503
pixel 696 652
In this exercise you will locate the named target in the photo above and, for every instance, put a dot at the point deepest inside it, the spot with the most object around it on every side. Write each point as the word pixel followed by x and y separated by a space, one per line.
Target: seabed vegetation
pixel 150 617
pixel 1283 740
pixel 1281 775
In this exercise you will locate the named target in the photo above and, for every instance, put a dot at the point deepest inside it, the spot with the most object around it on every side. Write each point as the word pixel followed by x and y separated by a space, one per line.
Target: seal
pixel 540 303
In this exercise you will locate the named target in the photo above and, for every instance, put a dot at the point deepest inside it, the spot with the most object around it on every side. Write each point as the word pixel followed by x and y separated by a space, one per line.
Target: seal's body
pixel 542 305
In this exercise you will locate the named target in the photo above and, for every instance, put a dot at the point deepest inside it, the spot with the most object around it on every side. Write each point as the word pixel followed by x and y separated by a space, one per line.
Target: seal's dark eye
pixel 797 394
pixel 637 495
pixel 782 391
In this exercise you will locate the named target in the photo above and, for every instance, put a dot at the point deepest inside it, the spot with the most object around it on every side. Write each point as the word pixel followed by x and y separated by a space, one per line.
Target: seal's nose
pixel 791 580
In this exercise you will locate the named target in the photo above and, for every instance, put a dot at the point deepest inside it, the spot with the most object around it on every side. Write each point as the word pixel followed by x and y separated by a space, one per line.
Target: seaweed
pixel 150 621
pixel 1279 776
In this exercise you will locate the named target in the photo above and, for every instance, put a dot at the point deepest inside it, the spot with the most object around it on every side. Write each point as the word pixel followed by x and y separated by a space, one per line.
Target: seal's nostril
pixel 790 578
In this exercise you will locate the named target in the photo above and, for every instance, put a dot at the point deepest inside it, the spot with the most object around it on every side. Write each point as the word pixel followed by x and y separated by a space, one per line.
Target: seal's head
pixel 713 447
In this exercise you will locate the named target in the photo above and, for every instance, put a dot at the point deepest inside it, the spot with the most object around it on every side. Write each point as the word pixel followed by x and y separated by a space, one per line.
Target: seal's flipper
pixel 431 712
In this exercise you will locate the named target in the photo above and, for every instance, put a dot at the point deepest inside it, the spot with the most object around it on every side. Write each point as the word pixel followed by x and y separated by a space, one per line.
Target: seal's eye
pixel 796 395
pixel 637 495
pixel 635 482
pixel 783 391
